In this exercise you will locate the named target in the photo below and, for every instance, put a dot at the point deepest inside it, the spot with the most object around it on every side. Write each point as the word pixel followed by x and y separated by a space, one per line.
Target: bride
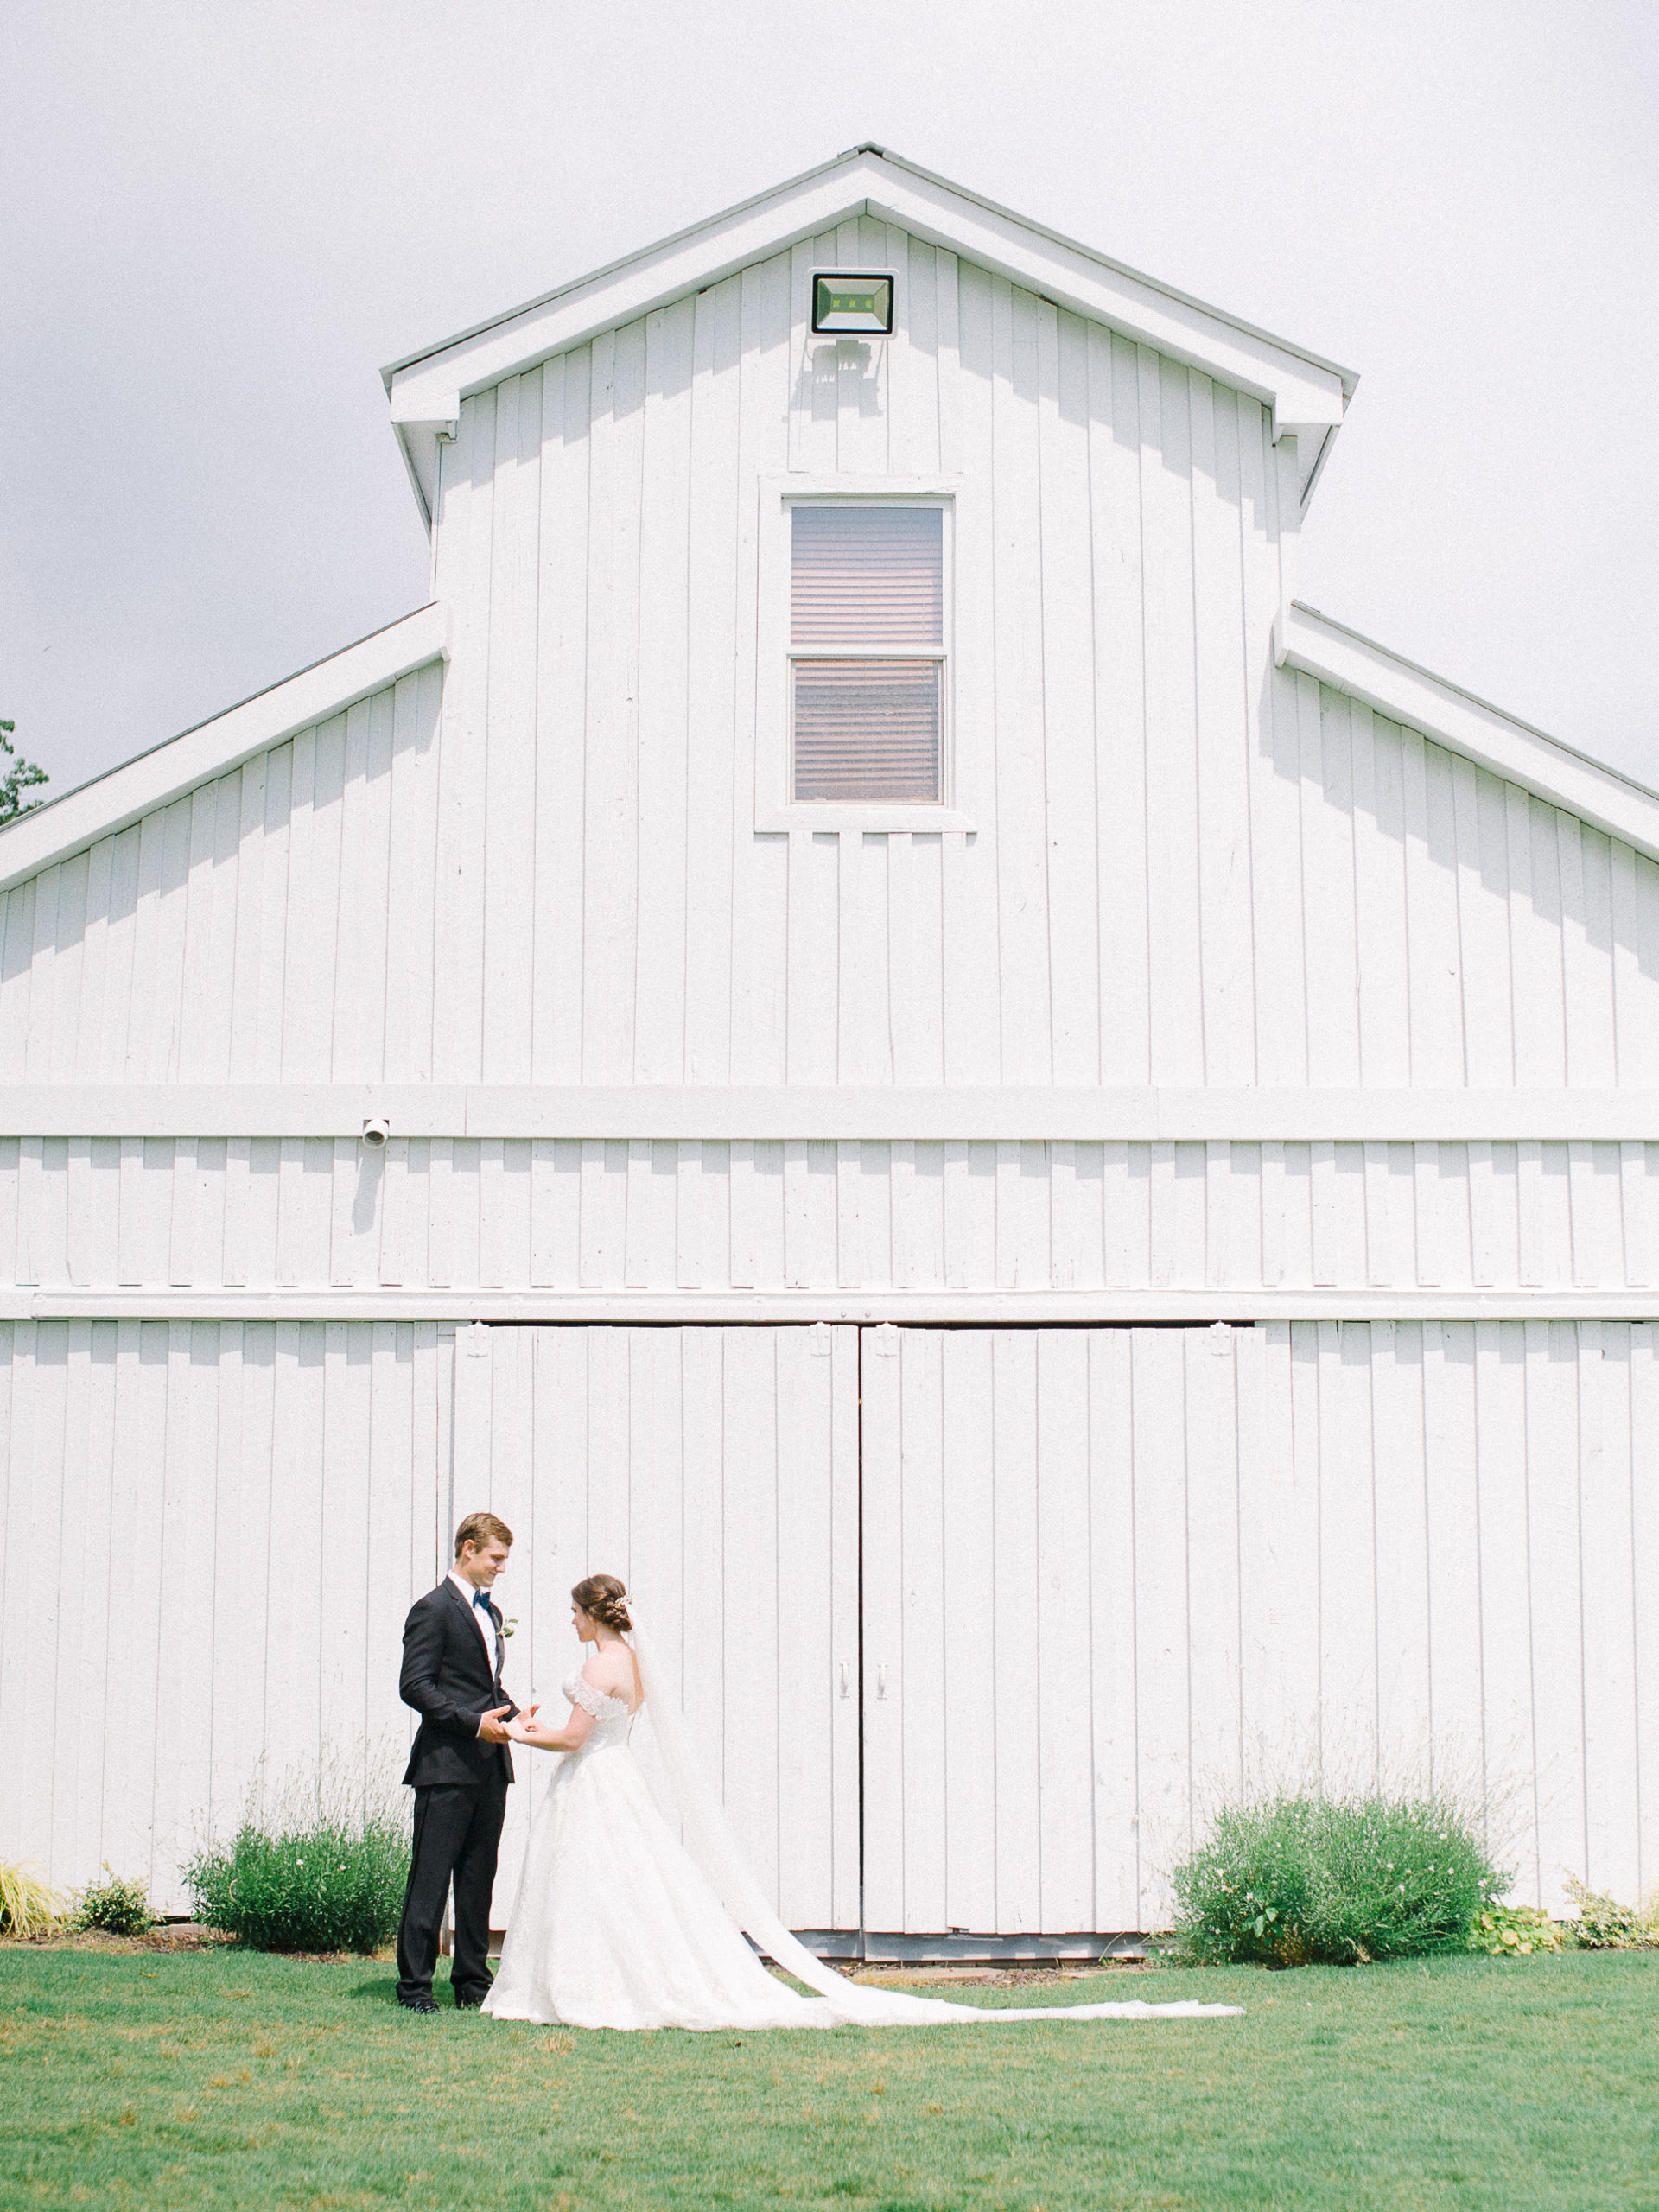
pixel 618 1925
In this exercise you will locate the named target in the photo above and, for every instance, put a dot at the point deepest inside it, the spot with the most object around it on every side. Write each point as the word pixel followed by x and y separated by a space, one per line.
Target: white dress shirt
pixel 486 1628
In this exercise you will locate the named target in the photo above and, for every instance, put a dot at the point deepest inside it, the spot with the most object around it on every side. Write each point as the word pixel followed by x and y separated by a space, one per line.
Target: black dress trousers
pixel 457 1828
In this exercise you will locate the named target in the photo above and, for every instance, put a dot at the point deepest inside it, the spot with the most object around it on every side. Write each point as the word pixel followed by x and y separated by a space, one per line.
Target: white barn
pixel 1052 1154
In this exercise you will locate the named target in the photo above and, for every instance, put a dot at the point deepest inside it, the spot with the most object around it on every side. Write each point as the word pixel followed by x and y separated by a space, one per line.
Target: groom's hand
pixel 490 1730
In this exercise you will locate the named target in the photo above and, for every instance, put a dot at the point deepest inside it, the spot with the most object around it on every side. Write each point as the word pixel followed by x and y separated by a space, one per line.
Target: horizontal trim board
pixel 879 817
pixel 847 1112
pixel 918 1308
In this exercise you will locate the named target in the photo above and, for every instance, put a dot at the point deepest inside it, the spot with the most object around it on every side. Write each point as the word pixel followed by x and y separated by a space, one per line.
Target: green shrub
pixel 28 1906
pixel 1508 1931
pixel 335 1885
pixel 1305 1879
pixel 1604 1924
pixel 118 1908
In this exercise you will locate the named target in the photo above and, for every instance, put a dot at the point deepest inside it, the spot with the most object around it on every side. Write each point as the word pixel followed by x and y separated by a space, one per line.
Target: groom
pixel 460 1767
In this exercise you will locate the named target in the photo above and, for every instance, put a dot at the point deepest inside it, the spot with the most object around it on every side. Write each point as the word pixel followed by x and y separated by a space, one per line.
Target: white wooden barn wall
pixel 1189 868
pixel 1107 1574
pixel 1372 1544
pixel 275 925
pixel 1110 1576
pixel 213 1532
pixel 268 1213
pixel 716 1470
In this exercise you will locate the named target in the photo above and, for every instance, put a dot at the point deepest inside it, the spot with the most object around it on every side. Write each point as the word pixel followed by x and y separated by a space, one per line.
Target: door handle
pixel 846 1679
pixel 881 1682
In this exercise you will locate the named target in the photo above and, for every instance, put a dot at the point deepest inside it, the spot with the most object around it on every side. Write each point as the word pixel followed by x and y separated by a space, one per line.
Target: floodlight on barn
pixel 848 303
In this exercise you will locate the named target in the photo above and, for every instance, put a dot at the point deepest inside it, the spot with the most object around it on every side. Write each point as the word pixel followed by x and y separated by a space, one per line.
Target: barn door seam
pixel 862 1715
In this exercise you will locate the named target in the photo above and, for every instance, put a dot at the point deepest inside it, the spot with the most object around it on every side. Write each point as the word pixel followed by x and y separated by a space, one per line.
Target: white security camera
pixel 376 1130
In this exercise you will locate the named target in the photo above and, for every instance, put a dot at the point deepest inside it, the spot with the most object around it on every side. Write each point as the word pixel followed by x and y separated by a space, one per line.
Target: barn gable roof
pixel 1308 395
pixel 178 765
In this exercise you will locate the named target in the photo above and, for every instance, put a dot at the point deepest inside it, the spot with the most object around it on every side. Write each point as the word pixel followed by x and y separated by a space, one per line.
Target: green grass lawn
pixel 229 2079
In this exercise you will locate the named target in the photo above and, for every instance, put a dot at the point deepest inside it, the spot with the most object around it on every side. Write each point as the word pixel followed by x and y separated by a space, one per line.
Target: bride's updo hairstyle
pixel 604 1599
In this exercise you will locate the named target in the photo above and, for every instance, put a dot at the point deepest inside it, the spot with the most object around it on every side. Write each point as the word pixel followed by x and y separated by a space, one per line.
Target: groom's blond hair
pixel 481 1528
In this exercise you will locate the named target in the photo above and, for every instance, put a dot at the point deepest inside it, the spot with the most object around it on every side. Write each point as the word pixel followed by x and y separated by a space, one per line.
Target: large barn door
pixel 1027 1745
pixel 716 1470
pixel 1113 1575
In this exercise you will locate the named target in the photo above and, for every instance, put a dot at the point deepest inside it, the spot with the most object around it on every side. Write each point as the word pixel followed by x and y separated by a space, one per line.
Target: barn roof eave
pixel 1306 393
pixel 75 819
pixel 1312 643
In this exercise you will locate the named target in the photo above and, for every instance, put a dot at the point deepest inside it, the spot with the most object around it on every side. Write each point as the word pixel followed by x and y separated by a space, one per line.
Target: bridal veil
pixel 709 1839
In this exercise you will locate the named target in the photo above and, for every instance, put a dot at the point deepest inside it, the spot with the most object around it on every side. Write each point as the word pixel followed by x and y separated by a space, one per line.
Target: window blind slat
pixel 867 580
pixel 865 577
pixel 867 730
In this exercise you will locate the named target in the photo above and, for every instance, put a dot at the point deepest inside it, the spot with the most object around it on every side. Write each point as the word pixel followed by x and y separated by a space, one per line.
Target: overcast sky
pixel 220 221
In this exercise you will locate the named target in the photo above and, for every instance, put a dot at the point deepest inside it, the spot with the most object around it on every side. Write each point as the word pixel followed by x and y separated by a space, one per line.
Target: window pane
pixel 867 730
pixel 867 577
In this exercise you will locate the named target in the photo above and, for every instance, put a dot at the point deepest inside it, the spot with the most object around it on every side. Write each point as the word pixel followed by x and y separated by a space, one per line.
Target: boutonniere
pixel 507 1627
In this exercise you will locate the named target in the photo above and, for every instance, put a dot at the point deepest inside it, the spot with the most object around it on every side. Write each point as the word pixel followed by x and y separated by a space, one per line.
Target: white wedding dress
pixel 619 1925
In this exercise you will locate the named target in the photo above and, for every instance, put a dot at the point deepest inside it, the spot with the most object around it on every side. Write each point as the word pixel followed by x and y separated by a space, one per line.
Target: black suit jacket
pixel 448 1680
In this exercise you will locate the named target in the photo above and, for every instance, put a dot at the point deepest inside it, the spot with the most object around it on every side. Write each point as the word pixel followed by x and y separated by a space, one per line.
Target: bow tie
pixel 483 1603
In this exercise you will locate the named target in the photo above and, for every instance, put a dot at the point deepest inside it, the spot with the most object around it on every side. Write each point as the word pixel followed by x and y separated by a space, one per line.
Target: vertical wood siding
pixel 1109 1575
pixel 1112 1577
pixel 716 1471
pixel 213 1532
pixel 605 1214
pixel 1188 866
pixel 276 925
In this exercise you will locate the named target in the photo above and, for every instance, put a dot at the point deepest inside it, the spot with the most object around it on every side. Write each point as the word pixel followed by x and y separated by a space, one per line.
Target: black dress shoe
pixel 417 2004
pixel 469 2004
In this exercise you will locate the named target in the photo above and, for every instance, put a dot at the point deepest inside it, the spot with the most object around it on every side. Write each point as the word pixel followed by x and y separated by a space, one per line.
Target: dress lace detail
pixel 594 1702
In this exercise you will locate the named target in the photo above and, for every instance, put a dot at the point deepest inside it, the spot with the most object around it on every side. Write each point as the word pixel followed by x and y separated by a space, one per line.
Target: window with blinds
pixel 866 654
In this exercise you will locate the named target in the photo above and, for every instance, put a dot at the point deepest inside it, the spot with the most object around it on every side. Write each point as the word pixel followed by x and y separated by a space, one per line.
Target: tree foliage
pixel 19 775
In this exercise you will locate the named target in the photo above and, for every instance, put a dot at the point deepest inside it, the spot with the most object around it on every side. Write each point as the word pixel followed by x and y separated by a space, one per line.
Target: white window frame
pixel 775 805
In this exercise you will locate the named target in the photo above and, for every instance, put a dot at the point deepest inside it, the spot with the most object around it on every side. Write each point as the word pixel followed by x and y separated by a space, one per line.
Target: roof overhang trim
pixel 1317 646
pixel 65 826
pixel 1306 394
